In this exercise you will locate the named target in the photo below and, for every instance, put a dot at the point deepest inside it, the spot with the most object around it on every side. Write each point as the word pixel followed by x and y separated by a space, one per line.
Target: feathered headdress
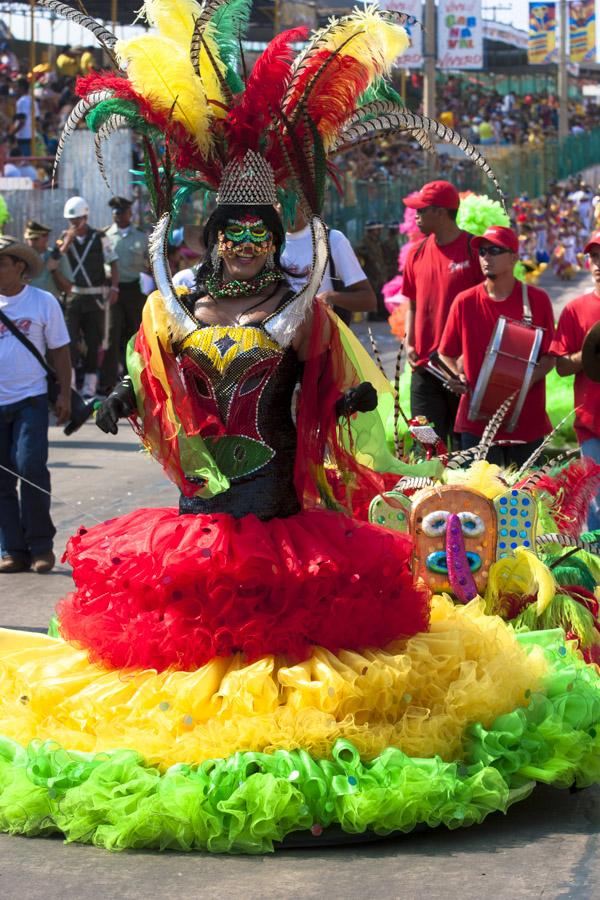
pixel 204 127
pixel 179 86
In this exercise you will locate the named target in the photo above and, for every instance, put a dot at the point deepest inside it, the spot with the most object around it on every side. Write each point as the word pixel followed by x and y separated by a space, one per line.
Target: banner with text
pixel 582 31
pixel 413 57
pixel 542 33
pixel 460 34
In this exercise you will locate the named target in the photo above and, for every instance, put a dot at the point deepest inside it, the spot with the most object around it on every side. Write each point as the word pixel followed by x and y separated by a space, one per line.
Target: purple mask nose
pixel 459 571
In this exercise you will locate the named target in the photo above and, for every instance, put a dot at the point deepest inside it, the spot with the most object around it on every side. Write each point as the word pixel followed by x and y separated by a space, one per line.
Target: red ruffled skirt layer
pixel 157 589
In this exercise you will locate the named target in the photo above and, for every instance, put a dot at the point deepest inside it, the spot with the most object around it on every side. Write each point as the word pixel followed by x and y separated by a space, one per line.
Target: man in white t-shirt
pixel 26 528
pixel 344 286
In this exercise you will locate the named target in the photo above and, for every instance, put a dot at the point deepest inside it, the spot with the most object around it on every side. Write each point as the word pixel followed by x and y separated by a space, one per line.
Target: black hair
pixel 217 222
pixel 452 213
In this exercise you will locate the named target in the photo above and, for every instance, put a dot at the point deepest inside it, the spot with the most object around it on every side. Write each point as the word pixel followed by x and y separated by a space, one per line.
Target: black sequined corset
pixel 241 379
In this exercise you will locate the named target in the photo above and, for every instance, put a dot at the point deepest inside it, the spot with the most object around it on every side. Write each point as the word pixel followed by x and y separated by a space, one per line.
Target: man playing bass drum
pixel 470 326
pixel 440 267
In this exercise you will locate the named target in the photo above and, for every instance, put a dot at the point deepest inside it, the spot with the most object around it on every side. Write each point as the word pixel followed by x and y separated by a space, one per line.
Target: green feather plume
pixel 228 26
pixel 380 89
pixel 117 106
pixel 562 612
pixel 574 571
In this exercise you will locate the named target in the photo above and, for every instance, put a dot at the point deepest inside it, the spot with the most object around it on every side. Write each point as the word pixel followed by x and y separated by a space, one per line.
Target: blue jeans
pixel 591 449
pixel 26 528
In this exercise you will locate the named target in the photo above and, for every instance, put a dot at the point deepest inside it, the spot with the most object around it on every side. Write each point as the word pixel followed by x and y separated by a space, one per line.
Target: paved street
pixel 546 847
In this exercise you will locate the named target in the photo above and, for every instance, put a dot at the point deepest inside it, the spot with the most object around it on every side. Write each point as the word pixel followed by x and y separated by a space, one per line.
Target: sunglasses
pixel 492 251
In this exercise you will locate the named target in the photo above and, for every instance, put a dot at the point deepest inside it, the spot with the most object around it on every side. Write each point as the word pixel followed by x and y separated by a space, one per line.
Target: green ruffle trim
pixel 250 801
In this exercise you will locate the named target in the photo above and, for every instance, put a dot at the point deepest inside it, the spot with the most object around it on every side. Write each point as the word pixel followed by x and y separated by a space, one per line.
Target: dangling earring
pixel 216 261
pixel 270 260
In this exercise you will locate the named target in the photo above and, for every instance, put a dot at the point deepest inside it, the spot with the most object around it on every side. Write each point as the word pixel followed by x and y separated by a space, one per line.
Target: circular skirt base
pixel 334 836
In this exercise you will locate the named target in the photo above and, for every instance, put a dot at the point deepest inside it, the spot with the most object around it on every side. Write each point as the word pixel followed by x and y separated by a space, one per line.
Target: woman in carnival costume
pixel 259 664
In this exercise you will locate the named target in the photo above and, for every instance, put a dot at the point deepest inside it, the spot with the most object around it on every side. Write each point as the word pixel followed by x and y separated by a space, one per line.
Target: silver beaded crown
pixel 249 183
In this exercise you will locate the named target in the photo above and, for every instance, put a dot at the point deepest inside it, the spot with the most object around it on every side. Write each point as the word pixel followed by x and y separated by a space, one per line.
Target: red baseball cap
pixel 435 193
pixel 500 236
pixel 594 239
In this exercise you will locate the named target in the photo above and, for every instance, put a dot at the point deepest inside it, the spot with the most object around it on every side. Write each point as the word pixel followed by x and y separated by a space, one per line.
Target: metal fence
pixel 519 169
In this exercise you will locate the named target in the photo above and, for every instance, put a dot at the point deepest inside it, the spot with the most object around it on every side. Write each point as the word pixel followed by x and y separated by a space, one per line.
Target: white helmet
pixel 75 207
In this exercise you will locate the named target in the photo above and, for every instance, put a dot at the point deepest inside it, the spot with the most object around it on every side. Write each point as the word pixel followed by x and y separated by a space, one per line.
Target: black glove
pixel 362 398
pixel 119 404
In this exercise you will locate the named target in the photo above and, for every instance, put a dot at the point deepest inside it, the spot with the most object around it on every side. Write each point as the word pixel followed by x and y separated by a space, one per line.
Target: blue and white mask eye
pixel 472 525
pixel 434 523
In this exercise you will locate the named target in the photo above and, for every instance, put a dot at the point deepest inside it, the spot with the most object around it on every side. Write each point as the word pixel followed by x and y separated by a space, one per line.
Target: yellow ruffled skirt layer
pixel 418 696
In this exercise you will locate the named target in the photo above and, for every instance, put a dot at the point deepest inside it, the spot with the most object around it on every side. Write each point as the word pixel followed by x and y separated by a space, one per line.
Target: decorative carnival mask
pixel 458 532
pixel 241 237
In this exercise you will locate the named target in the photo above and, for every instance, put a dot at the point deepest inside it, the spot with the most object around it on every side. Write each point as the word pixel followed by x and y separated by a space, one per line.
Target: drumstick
pixel 442 365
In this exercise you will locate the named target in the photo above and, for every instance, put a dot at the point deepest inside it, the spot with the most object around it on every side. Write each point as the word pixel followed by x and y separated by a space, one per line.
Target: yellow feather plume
pixel 173 18
pixel 378 43
pixel 159 70
pixel 481 476
pixel 522 575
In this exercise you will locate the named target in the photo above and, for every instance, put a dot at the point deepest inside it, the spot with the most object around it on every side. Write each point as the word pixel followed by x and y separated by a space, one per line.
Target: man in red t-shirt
pixel 470 326
pixel 575 321
pixel 436 270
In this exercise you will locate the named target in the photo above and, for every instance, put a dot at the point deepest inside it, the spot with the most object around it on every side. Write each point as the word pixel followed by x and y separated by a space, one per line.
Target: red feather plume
pixel 246 124
pixel 336 92
pixel 573 489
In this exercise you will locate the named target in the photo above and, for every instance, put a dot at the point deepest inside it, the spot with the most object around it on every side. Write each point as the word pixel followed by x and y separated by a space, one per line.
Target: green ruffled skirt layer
pixel 251 801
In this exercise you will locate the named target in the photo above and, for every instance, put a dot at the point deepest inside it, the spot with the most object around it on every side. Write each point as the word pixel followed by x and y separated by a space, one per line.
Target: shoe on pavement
pixel 9 564
pixel 43 563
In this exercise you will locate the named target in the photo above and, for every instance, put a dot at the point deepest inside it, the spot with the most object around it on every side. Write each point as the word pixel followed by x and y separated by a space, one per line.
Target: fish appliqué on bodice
pixel 242 383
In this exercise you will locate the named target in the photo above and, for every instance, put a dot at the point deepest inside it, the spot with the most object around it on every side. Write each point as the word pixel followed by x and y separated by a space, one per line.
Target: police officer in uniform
pixel 55 277
pixel 88 251
pixel 130 244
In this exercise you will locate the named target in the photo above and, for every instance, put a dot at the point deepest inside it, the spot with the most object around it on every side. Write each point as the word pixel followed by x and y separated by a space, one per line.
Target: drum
pixel 508 368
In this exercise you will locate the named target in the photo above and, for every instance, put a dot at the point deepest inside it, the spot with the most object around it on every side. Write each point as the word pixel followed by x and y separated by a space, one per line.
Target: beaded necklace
pixel 218 289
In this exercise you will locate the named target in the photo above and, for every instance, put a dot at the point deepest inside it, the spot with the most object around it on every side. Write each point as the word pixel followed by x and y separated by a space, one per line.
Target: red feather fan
pixel 572 488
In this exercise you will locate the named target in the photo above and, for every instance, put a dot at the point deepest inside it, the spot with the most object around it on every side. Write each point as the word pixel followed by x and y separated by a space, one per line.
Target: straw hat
pixel 10 246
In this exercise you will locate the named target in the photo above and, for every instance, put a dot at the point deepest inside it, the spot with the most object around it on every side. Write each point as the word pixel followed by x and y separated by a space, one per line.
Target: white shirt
pixel 23 108
pixel 297 257
pixel 38 315
pixel 186 278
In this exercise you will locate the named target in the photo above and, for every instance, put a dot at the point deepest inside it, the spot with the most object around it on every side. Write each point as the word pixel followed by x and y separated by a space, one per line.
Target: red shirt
pixel 468 331
pixel 433 276
pixel 575 321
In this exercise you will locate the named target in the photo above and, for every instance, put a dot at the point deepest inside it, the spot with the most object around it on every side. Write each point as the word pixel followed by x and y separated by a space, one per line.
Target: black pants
pixel 85 316
pixel 503 455
pixel 429 398
pixel 125 319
